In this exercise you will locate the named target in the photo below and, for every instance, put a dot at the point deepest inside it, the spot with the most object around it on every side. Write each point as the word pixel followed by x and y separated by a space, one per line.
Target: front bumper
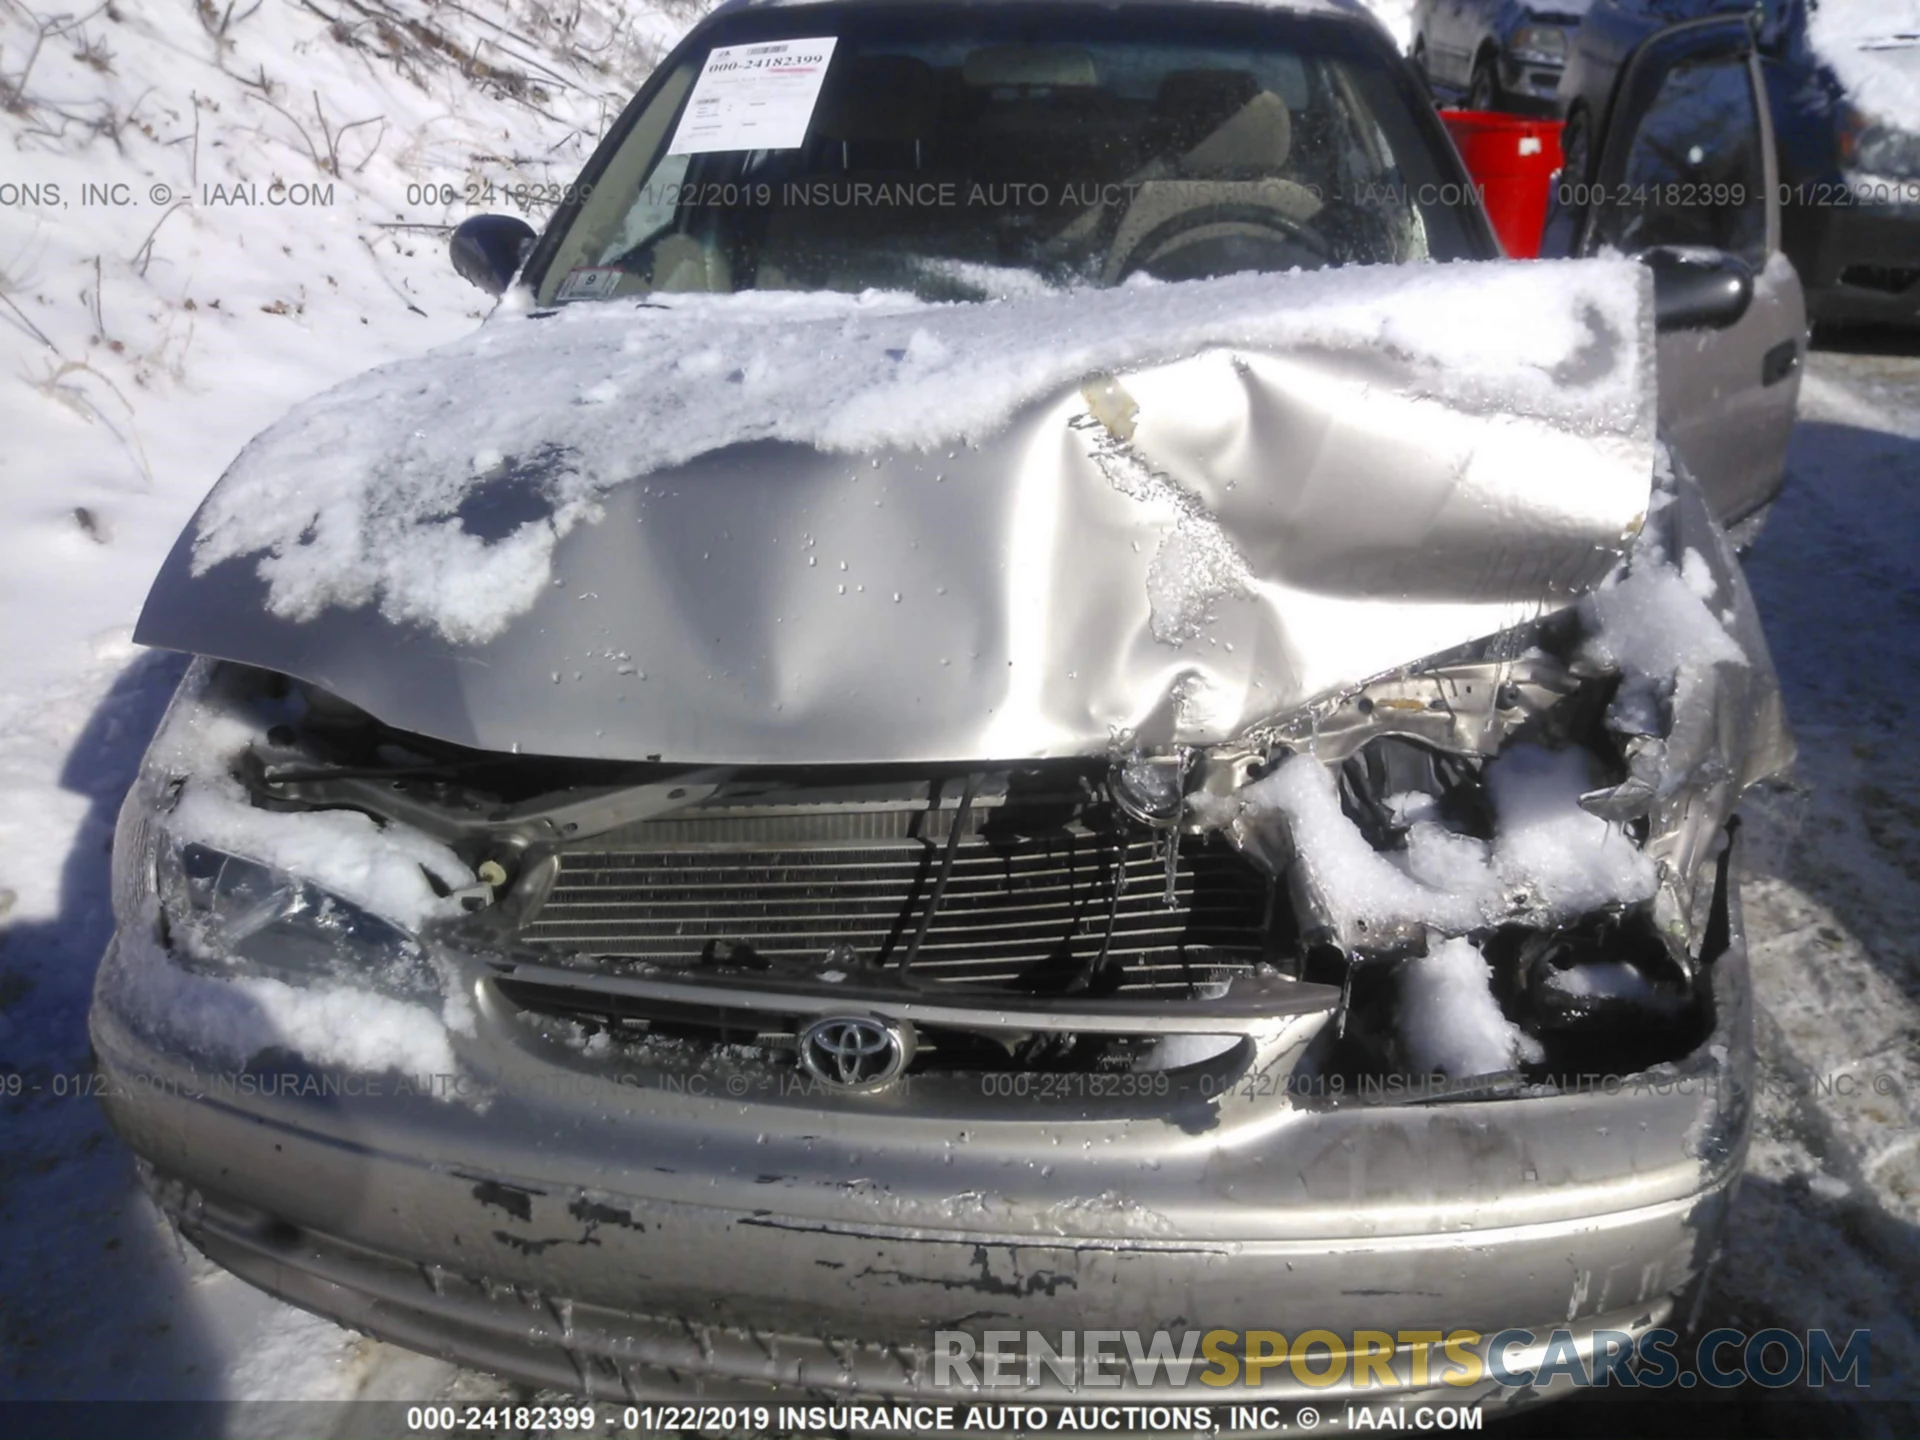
pixel 636 1235
pixel 1531 84
pixel 1859 263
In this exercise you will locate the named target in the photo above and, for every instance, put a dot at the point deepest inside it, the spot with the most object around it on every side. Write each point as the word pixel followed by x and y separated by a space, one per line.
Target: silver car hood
pixel 1165 552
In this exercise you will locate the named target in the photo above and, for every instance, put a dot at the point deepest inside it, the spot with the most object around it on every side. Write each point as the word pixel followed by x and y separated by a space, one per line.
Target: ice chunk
pixel 1412 806
pixel 1600 980
pixel 1364 889
pixel 1449 1021
pixel 1653 620
pixel 1197 566
pixel 1698 574
pixel 1457 864
pixel 1564 860
pixel 1550 860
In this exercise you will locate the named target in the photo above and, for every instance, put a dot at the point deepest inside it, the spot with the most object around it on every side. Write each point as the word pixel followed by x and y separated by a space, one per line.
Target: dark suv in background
pixel 1495 54
pixel 1849 174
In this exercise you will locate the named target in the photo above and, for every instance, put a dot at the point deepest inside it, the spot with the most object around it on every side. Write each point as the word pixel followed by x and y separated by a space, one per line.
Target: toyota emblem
pixel 855 1052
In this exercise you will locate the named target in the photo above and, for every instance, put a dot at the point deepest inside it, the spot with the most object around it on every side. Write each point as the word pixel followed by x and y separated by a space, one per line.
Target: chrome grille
pixel 1022 912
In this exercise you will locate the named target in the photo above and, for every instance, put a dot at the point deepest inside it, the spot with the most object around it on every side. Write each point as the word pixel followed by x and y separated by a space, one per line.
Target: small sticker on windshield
pixel 754 97
pixel 590 282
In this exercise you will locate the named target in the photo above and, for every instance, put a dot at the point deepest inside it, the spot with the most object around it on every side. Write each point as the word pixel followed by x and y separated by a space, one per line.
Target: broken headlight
pixel 227 916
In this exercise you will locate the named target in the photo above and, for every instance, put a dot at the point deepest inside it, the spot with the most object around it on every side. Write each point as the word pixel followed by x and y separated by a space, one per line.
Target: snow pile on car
pixel 233 1018
pixel 390 871
pixel 1550 860
pixel 1449 1019
pixel 1594 813
pixel 356 498
pixel 1871 48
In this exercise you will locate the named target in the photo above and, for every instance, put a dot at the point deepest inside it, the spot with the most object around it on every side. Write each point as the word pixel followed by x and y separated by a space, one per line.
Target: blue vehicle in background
pixel 1843 81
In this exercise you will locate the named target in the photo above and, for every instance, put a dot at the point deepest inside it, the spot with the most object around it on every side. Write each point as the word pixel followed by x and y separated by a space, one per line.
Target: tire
pixel 1483 91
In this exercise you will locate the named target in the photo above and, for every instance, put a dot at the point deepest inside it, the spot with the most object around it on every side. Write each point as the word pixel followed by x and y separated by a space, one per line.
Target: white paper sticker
pixel 754 97
pixel 589 283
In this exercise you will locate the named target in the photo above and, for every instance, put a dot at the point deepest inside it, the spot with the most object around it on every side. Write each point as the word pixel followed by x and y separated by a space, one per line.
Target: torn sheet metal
pixel 1170 553
pixel 1697 736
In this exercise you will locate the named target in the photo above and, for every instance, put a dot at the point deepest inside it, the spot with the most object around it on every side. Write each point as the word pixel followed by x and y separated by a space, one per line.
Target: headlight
pixel 1880 149
pixel 227 915
pixel 1151 788
pixel 1541 42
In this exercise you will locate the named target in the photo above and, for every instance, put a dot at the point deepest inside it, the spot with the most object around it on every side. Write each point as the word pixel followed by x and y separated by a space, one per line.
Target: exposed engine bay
pixel 1508 867
pixel 1312 686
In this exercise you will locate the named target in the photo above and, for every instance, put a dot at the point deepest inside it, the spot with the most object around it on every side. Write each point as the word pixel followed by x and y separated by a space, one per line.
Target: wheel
pixel 1483 92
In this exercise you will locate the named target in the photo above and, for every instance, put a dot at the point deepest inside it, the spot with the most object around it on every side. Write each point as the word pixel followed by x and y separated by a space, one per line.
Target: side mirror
pixel 1697 289
pixel 487 249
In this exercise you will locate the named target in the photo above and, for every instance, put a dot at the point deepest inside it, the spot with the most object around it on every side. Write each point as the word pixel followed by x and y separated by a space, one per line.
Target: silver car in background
pixel 871 762
pixel 1496 54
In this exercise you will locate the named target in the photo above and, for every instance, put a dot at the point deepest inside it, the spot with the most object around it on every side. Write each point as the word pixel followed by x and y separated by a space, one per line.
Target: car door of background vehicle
pixel 1688 160
pixel 1607 34
pixel 1445 37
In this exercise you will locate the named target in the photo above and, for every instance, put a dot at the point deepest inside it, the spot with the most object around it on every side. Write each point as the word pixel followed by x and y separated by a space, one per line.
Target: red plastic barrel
pixel 1512 159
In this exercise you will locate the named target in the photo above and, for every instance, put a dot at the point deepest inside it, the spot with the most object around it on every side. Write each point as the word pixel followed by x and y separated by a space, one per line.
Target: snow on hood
pixel 807 527
pixel 1873 49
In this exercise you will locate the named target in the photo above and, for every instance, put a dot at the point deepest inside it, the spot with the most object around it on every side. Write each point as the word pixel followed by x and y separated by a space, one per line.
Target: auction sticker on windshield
pixel 590 282
pixel 754 97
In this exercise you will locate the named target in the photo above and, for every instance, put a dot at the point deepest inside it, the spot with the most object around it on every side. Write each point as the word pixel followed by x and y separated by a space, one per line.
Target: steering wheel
pixel 1258 224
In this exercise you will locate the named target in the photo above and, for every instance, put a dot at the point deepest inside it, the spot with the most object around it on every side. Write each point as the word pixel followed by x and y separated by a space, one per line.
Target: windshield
pixel 965 151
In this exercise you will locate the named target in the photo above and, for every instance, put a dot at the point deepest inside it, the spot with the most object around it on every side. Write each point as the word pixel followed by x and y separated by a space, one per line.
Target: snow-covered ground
pixel 151 325
pixel 207 213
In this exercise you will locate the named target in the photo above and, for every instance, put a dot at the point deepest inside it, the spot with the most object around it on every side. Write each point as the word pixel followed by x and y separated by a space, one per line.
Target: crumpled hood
pixel 811 529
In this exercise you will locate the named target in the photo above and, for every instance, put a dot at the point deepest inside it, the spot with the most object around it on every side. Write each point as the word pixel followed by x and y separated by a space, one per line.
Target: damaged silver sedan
pixel 839 779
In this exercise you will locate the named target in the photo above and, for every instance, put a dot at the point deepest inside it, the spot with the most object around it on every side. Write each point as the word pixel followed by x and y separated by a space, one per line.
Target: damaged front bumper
pixel 494 1139
pixel 603 1226
pixel 1120 1099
